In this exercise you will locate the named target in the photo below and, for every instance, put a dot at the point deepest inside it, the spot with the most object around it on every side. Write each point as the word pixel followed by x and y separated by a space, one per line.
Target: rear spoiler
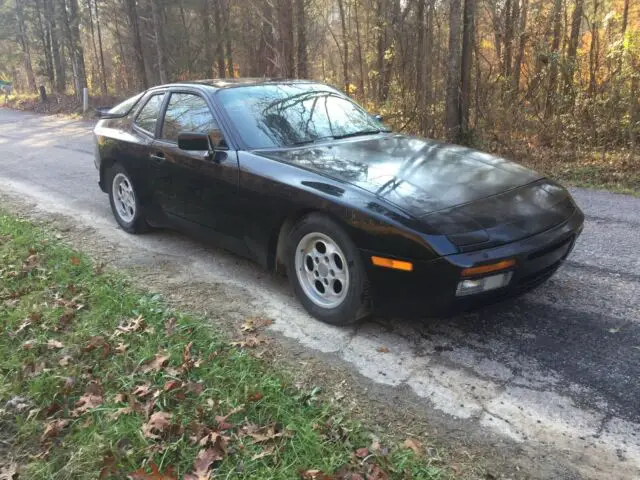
pixel 103 113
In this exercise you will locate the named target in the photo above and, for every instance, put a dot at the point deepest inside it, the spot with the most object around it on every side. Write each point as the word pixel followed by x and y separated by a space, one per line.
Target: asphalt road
pixel 557 369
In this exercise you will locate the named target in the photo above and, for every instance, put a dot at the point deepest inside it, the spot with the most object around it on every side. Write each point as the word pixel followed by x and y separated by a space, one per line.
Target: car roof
pixel 224 83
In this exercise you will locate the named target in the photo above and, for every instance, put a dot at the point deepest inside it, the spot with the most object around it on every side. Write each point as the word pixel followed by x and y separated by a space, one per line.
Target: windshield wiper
pixel 310 141
pixel 361 132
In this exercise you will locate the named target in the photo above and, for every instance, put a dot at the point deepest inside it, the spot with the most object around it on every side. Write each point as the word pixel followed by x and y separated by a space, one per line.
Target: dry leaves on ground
pixel 157 363
pixel 414 445
pixel 206 457
pixel 156 474
pixel 157 425
pixel 53 428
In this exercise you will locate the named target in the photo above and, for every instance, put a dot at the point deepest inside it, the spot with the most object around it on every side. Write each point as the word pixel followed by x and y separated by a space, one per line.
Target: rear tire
pixel 326 271
pixel 124 200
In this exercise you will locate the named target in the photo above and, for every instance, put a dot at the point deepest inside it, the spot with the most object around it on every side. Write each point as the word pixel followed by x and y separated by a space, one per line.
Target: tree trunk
pixel 103 72
pixel 43 33
pixel 381 28
pixel 419 78
pixel 217 19
pixel 93 39
pixel 468 36
pixel 553 69
pixel 508 37
pixel 345 47
pixel 72 23
pixel 134 24
pixel 158 31
pixel 572 48
pixel 594 51
pixel 302 67
pixel 58 65
pixel 207 47
pixel 226 16
pixel 452 120
pixel 24 43
pixel 361 78
pixel 522 27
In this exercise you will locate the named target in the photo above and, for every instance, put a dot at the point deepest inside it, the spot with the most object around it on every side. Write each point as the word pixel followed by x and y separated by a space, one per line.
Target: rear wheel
pixel 326 271
pixel 125 203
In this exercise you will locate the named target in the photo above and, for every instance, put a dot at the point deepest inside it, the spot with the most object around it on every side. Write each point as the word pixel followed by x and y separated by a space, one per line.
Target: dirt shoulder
pixel 471 451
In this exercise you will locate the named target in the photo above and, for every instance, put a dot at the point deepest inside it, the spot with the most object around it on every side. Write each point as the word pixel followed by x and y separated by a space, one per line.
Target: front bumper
pixel 430 289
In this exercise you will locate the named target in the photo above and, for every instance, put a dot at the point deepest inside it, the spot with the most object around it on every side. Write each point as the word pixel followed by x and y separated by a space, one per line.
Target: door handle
pixel 157 157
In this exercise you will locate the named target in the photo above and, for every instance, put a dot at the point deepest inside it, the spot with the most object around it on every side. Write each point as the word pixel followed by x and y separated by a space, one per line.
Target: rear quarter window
pixel 148 116
pixel 125 107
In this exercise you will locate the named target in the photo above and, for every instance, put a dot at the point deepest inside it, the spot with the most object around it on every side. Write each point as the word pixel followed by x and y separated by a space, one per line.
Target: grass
pixel 100 380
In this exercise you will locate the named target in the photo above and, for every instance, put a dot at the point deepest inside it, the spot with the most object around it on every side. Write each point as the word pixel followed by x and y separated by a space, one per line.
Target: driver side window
pixel 187 112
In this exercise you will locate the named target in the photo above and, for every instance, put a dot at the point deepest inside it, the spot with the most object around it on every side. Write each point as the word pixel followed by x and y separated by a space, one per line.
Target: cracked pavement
pixel 556 370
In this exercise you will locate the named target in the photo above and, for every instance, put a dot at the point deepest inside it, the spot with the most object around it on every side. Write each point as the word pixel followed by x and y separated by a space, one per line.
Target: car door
pixel 133 145
pixel 194 187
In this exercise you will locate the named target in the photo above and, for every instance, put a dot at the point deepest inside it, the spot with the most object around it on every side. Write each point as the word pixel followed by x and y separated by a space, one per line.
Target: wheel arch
pixel 105 164
pixel 278 240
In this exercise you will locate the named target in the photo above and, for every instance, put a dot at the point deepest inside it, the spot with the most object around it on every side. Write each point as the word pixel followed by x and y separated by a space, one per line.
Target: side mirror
pixel 194 141
pixel 378 117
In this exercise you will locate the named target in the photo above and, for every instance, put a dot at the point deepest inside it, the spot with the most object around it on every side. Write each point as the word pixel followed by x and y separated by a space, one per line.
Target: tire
pixel 125 203
pixel 326 271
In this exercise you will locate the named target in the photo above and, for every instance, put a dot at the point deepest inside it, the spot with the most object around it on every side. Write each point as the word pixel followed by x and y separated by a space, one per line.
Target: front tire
pixel 125 203
pixel 326 271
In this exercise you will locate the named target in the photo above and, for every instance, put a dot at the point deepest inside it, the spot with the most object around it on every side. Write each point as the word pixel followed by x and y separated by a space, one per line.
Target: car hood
pixel 419 176
pixel 470 196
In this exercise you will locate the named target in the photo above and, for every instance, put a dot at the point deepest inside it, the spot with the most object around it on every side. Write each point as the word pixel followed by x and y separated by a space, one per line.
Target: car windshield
pixel 284 115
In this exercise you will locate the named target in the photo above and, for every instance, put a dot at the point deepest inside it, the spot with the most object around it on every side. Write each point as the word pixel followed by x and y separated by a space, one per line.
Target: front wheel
pixel 326 271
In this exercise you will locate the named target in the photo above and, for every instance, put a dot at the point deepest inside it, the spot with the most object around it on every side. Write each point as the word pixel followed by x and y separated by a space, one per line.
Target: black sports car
pixel 296 176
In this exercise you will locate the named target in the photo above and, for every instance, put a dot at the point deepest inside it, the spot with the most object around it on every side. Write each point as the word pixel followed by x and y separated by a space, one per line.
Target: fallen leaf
pixel 414 445
pixel 65 360
pixel 9 471
pixel 170 326
pixel 222 420
pixel 254 397
pixel 120 397
pixel 172 385
pixel 195 388
pixel 75 260
pixel 314 475
pixel 53 428
pixel 99 268
pixel 86 403
pixel 383 349
pixel 157 425
pixel 264 453
pixel 264 434
pixel 376 473
pixel 251 341
pixel 130 326
pixel 202 463
pixel 362 452
pixel 109 467
pixel 143 390
pixel 141 474
pixel 121 347
pixel 156 364
pixel 54 344
pixel 29 344
pixel 97 342
pixel 31 263
pixel 614 330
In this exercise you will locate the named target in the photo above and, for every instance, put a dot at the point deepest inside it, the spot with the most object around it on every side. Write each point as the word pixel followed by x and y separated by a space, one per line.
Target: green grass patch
pixel 99 379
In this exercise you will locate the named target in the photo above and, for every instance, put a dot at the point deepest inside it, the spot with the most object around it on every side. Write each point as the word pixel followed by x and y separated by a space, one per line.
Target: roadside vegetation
pixel 98 379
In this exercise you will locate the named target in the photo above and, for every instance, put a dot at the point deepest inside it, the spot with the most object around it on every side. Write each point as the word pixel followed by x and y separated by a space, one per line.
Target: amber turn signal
pixel 391 263
pixel 493 267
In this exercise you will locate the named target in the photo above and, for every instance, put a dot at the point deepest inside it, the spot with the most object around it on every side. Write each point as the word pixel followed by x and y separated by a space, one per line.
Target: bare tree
pixel 24 43
pixel 301 28
pixel 553 60
pixel 453 72
pixel 158 31
pixel 468 36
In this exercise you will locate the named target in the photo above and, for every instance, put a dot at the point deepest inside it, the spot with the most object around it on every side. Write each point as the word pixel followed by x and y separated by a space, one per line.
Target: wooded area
pixel 499 74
